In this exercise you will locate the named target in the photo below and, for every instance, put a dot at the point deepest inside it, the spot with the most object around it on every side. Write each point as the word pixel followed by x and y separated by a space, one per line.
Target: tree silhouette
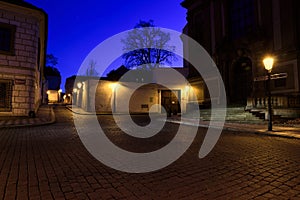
pixel 116 74
pixel 147 47
pixel 91 69
pixel 51 60
pixel 51 73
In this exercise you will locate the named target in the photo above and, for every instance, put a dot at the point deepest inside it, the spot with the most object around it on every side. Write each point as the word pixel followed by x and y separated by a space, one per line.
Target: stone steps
pixel 232 114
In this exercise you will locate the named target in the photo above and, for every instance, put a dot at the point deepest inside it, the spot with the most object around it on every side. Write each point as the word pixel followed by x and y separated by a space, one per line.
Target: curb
pixel 266 133
pixel 71 110
pixel 53 120
pixel 240 130
pixel 90 113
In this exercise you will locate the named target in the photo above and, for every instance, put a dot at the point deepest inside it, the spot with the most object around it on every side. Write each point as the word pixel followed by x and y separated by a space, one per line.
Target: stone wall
pixel 21 67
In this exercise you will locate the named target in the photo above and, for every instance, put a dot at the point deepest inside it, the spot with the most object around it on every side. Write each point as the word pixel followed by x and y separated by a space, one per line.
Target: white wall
pixel 121 97
pixel 52 96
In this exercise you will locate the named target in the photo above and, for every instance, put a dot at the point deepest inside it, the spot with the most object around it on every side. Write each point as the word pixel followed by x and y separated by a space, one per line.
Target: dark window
pixel 280 82
pixel 5 95
pixel 242 19
pixel 7 36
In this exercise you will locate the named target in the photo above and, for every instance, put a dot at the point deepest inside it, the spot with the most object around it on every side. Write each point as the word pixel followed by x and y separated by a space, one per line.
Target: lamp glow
pixel 113 85
pixel 268 63
pixel 79 85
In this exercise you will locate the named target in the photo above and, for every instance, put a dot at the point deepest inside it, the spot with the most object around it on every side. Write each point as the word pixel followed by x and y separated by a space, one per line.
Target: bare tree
pixel 51 60
pixel 51 73
pixel 91 69
pixel 147 47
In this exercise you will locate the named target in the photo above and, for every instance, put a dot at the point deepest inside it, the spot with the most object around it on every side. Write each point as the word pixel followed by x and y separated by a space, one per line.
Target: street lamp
pixel 268 63
pixel 79 84
pixel 59 94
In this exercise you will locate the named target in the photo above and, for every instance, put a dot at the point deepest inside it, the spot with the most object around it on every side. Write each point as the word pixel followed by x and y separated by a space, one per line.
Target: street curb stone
pixel 241 129
pixel 35 123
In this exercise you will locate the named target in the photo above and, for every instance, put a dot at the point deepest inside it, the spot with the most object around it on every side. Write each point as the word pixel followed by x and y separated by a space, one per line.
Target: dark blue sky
pixel 76 27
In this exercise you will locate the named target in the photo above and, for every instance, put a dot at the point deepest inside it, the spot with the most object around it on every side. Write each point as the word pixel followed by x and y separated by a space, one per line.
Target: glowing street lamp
pixel 79 85
pixel 268 63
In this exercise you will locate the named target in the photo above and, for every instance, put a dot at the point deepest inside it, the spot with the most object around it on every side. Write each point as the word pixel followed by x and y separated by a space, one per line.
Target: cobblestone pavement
pixel 44 116
pixel 50 162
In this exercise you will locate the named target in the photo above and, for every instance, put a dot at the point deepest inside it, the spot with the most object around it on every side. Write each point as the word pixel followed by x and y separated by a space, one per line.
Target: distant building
pixel 23 38
pixel 71 87
pixel 173 94
pixel 238 34
pixel 70 82
pixel 53 96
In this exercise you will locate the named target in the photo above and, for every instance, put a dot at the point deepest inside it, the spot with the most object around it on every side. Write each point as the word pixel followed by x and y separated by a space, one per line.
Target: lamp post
pixel 74 96
pixel 79 94
pixel 59 94
pixel 268 63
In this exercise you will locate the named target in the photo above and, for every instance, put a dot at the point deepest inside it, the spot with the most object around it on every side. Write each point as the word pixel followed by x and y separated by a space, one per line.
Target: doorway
pixel 243 81
pixel 170 101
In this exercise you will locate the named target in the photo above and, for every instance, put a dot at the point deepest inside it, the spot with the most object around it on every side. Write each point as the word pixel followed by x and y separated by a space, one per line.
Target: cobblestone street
pixel 50 162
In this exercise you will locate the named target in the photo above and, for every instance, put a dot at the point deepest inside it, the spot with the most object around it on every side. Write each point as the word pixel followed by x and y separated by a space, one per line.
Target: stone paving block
pixel 50 162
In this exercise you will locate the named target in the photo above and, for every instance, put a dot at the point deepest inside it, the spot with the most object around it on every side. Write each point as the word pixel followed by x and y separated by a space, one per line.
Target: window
pixel 280 82
pixel 7 36
pixel 5 95
pixel 242 18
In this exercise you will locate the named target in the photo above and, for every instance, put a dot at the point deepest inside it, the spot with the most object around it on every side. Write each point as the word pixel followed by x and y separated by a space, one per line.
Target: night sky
pixel 76 27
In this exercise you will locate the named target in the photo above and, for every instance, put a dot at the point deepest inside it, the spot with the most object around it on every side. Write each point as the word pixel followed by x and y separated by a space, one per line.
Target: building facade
pixel 238 34
pixel 133 95
pixel 23 36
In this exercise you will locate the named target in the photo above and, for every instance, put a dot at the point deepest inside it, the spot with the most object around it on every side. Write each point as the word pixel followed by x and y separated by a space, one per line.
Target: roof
pixel 23 4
